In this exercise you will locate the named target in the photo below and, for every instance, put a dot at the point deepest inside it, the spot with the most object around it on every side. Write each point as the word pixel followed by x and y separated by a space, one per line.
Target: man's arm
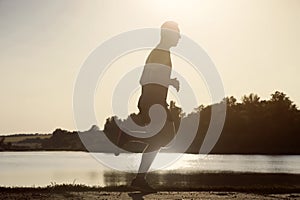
pixel 175 83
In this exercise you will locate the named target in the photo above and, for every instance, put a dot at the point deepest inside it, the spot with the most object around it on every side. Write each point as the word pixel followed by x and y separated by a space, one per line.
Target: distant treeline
pixel 253 126
pixel 58 140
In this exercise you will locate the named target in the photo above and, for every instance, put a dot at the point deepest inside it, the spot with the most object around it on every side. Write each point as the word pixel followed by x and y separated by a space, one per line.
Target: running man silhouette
pixel 155 80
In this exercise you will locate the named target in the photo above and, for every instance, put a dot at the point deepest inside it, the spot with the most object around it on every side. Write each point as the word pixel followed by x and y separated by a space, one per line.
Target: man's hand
pixel 175 83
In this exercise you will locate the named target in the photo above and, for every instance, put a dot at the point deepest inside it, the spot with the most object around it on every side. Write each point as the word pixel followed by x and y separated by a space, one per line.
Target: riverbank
pixel 172 186
pixel 123 192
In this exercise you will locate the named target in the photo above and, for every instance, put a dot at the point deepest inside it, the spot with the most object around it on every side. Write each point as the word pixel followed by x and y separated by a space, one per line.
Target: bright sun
pixel 174 9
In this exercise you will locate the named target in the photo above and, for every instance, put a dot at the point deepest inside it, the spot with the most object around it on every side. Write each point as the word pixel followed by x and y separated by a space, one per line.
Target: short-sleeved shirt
pixel 157 69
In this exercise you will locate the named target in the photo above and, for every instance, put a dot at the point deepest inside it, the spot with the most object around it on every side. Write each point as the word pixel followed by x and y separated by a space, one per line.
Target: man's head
pixel 170 33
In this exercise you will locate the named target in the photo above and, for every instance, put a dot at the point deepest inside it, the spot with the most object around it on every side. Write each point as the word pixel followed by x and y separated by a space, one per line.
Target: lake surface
pixel 46 168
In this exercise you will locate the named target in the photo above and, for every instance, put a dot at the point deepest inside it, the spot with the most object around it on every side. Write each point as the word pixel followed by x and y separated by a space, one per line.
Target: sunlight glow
pixel 175 9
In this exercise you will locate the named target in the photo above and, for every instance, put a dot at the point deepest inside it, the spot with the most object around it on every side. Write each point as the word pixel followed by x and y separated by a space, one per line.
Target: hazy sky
pixel 254 44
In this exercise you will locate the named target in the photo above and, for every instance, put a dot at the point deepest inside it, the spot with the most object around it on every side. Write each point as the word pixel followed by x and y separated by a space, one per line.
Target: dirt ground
pixel 138 195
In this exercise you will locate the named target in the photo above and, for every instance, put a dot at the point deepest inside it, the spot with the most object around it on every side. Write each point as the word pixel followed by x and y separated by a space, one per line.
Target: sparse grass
pixel 208 182
pixel 53 187
pixel 61 188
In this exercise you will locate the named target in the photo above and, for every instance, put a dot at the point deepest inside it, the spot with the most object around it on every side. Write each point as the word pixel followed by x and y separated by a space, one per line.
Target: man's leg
pixel 148 157
pixel 167 134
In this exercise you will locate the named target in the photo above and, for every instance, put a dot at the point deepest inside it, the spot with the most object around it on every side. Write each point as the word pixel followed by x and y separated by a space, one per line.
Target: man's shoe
pixel 142 185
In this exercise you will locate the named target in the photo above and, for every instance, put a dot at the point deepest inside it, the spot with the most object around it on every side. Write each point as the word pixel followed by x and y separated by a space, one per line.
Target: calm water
pixel 44 168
